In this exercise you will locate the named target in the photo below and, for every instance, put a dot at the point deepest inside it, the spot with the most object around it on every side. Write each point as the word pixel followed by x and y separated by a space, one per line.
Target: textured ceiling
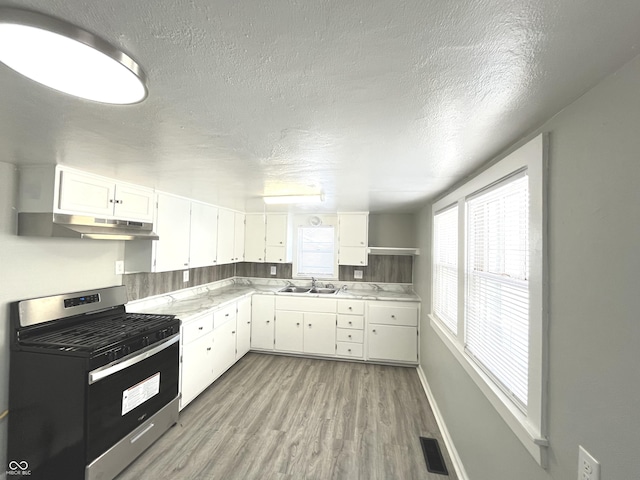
pixel 380 104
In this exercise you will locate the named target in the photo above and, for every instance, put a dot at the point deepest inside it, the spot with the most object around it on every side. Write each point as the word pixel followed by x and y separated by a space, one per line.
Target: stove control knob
pixel 111 356
pixel 170 330
pixel 126 350
pixel 145 341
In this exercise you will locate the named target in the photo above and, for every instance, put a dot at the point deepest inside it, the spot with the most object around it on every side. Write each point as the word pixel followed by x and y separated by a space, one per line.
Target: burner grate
pixel 97 333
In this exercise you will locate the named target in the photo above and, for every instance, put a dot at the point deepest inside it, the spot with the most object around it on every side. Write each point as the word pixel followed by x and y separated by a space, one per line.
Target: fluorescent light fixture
pixel 290 199
pixel 66 58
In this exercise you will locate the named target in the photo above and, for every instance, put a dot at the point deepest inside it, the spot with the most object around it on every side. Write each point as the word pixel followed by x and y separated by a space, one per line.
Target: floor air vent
pixel 433 456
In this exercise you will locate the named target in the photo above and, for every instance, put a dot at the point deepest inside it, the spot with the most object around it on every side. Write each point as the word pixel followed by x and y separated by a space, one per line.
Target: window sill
pixel 528 434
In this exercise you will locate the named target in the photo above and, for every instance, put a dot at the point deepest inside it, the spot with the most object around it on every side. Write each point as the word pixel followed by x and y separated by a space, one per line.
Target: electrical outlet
pixel 185 276
pixel 273 269
pixel 119 267
pixel 588 467
pixel 357 274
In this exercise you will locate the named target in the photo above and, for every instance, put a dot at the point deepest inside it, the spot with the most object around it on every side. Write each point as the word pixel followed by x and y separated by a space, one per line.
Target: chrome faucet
pixel 313 282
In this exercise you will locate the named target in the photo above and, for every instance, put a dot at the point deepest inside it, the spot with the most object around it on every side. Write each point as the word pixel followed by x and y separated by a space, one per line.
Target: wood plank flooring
pixel 277 417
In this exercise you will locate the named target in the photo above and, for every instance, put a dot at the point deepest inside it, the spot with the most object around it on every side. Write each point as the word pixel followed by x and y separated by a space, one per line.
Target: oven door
pixel 122 395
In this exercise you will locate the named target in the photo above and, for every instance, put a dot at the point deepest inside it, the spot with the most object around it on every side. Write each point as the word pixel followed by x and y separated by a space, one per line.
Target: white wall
pixel 32 267
pixel 594 266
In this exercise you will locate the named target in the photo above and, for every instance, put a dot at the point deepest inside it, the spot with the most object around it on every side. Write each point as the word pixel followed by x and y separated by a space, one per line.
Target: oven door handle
pixel 103 372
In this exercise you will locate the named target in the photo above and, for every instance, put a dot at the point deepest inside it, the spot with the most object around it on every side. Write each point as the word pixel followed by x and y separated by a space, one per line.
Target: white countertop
pixel 188 303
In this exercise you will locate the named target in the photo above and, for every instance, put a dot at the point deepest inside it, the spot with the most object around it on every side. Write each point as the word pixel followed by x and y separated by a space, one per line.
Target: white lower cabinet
pixel 289 331
pixel 319 333
pixel 262 322
pixel 243 324
pixel 224 348
pixel 210 344
pixel 392 331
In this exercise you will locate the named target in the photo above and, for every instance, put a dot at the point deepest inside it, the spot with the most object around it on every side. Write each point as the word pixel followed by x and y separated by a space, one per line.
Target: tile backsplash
pixel 381 269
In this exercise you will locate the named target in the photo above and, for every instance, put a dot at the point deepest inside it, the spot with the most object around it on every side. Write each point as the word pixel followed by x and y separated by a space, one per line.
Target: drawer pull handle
pixel 208 349
pixel 393 316
pixel 374 331
pixel 349 350
pixel 309 324
pixel 349 336
pixel 350 308
pixel 233 333
pixel 298 324
pixel 268 321
pixel 200 328
pixel 226 314
pixel 350 323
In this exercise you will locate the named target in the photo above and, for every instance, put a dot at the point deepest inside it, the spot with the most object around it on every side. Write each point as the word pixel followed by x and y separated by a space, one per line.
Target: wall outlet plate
pixel 273 269
pixel 119 267
pixel 185 276
pixel 357 274
pixel 588 467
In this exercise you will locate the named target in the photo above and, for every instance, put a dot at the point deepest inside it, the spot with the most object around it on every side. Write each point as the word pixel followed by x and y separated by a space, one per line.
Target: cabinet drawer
pixel 224 315
pixel 401 314
pixel 344 349
pixel 351 321
pixel 347 335
pixel 195 329
pixel 351 307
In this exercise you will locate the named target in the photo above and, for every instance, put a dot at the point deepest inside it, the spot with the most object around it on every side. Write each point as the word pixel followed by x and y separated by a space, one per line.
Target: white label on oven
pixel 140 393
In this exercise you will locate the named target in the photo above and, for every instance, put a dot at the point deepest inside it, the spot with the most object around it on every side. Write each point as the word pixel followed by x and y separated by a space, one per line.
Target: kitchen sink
pixel 326 291
pixel 293 289
pixel 307 290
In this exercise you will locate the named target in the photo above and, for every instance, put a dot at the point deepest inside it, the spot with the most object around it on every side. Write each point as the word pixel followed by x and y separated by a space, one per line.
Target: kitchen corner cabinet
pixel 353 238
pixel 392 331
pixel 262 321
pixel 203 239
pixel 171 252
pixel 66 190
pixel 254 237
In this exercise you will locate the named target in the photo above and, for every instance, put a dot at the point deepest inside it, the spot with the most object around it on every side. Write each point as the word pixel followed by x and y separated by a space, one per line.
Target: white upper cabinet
pixel 278 245
pixel 254 238
pixel 353 235
pixel 238 239
pixel 226 236
pixel 171 252
pixel 203 249
pixel 65 190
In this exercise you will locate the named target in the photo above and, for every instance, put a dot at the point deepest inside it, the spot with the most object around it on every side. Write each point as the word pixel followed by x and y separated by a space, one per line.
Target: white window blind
pixel 316 251
pixel 445 272
pixel 497 302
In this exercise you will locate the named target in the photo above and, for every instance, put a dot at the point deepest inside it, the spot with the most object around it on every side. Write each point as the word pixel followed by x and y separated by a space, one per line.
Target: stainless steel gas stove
pixel 91 386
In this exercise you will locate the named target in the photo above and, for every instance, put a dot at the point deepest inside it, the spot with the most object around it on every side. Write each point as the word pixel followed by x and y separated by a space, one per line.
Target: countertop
pixel 189 303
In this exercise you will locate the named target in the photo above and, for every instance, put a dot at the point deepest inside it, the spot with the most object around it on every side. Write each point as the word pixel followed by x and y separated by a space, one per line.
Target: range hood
pixel 78 226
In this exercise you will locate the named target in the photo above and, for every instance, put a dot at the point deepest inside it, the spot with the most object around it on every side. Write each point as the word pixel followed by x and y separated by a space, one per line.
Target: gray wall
pixel 594 236
pixel 34 267
pixel 392 230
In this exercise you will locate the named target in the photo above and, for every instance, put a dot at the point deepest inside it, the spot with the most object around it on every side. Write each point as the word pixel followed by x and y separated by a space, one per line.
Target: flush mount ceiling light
pixel 64 57
pixel 290 199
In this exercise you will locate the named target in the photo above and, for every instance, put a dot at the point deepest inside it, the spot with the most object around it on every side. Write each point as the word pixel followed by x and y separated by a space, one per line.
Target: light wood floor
pixel 277 417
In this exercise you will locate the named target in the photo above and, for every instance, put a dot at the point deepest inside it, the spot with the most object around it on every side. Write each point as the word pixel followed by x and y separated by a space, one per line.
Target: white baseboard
pixel 453 453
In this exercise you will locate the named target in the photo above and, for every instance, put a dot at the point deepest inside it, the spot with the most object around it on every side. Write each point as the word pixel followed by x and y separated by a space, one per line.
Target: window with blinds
pixel 497 284
pixel 445 267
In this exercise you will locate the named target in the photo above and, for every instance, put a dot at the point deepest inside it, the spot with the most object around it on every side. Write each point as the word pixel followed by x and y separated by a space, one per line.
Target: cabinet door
pixel 358 256
pixel 353 229
pixel 238 239
pixel 243 319
pixel 276 254
pixel 172 226
pixel 393 342
pixel 197 368
pixel 133 203
pixel 224 348
pixel 204 235
pixel 226 233
pixel 289 331
pixel 320 333
pixel 254 237
pixel 277 229
pixel 262 321
pixel 81 193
